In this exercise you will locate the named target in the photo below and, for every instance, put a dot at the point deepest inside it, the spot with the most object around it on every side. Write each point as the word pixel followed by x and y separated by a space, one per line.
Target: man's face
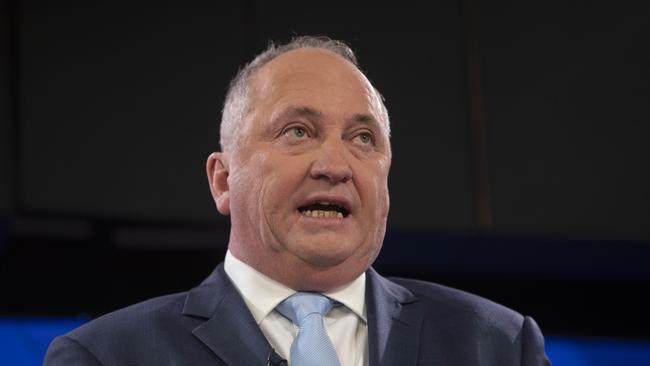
pixel 307 180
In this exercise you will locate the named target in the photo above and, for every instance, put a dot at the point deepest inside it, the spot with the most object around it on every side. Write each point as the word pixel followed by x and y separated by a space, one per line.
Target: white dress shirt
pixel 346 325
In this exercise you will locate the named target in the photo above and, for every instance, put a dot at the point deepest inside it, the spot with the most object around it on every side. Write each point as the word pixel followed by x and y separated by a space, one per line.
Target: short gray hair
pixel 237 98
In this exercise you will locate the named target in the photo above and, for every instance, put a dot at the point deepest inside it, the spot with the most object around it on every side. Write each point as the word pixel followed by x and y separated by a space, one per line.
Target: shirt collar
pixel 262 294
pixel 352 295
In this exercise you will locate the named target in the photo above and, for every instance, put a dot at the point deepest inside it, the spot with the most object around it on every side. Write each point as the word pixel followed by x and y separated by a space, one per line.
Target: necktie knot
pixel 312 346
pixel 300 305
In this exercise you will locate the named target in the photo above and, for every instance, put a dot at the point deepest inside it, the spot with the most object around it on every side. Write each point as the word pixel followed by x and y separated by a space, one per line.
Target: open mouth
pixel 324 209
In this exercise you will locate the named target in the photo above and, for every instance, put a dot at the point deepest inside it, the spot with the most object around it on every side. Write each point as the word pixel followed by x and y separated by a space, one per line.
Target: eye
pixel 365 138
pixel 296 131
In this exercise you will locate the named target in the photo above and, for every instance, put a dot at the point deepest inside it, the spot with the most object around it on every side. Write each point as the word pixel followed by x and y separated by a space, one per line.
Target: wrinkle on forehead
pixel 290 73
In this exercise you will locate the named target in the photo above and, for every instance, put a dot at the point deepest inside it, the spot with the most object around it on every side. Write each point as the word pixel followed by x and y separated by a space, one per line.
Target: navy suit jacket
pixel 409 323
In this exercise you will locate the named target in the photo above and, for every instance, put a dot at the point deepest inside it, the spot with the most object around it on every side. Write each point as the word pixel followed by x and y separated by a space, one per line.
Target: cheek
pixel 243 195
pixel 383 199
pixel 384 168
pixel 246 186
pixel 279 180
pixel 374 197
pixel 377 181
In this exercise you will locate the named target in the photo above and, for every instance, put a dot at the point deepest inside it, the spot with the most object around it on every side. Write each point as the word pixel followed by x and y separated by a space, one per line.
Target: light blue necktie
pixel 312 346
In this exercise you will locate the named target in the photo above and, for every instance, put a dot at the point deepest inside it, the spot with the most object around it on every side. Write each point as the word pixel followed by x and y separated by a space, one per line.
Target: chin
pixel 324 255
pixel 325 278
pixel 321 271
pixel 323 260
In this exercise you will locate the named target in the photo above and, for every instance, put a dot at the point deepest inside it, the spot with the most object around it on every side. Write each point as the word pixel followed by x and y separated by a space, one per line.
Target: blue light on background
pixel 597 352
pixel 23 342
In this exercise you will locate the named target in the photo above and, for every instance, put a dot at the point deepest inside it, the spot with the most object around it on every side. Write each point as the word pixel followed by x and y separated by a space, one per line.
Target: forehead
pixel 309 62
pixel 317 78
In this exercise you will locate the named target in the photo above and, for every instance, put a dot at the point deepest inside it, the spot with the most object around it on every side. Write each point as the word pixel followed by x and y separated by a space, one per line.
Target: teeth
pixel 322 213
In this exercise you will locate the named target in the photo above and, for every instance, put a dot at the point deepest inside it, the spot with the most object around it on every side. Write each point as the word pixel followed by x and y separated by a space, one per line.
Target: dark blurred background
pixel 521 166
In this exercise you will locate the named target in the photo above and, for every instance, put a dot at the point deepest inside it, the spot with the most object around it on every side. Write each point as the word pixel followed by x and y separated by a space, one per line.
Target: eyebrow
pixel 301 111
pixel 365 119
pixel 306 111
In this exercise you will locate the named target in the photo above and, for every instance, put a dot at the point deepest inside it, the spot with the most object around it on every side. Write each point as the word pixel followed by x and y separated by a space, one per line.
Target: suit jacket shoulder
pixel 461 305
pixel 208 325
pixel 135 335
pixel 459 328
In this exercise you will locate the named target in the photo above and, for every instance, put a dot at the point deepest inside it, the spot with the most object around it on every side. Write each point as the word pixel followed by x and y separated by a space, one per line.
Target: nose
pixel 331 163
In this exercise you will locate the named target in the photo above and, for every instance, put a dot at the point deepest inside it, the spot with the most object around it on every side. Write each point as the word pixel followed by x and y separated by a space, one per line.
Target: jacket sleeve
pixel 65 351
pixel 532 345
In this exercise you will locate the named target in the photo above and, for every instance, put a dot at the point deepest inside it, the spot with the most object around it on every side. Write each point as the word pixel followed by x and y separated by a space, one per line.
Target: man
pixel 303 175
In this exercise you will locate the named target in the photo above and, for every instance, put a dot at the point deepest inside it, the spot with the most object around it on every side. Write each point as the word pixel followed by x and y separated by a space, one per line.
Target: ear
pixel 217 168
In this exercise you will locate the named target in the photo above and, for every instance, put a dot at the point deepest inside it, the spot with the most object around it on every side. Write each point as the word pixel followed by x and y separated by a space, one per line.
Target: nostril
pixel 334 174
pixel 332 163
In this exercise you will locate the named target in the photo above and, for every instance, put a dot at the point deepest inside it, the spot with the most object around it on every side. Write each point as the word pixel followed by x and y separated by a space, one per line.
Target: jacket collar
pixel 229 330
pixel 394 322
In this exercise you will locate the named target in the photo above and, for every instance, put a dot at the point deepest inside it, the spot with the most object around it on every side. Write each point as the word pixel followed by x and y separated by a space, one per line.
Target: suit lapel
pixel 394 322
pixel 230 330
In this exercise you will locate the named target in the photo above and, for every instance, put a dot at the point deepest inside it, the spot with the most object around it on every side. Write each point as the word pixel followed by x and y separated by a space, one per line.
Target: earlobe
pixel 217 169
